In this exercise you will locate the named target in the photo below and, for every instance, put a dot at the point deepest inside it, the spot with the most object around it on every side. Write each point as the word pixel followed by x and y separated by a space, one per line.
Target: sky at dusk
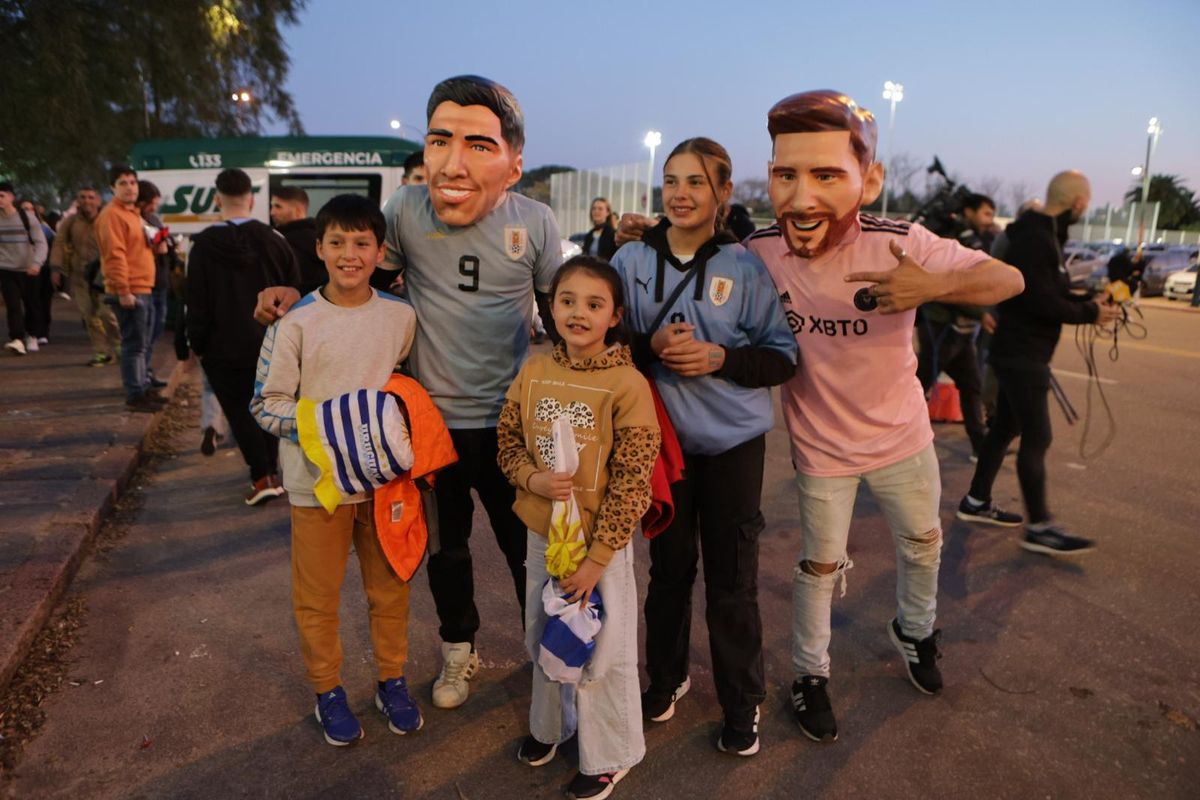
pixel 1015 91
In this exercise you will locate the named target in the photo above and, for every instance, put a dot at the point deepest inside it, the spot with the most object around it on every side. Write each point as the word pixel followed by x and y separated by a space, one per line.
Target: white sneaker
pixel 31 345
pixel 17 346
pixel 459 665
pixel 43 340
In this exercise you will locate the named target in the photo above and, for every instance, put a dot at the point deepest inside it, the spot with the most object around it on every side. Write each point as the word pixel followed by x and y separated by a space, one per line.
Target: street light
pixel 395 123
pixel 241 99
pixel 1153 130
pixel 653 140
pixel 893 92
pixel 1136 171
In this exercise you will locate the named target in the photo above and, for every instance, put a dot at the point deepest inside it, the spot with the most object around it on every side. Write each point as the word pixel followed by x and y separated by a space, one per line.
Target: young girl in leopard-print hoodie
pixel 589 378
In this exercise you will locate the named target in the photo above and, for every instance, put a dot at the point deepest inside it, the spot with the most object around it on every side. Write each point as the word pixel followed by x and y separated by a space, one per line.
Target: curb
pixel 1178 306
pixel 64 539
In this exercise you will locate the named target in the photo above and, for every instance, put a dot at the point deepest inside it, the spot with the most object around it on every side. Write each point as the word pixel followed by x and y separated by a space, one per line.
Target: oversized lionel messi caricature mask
pixel 822 169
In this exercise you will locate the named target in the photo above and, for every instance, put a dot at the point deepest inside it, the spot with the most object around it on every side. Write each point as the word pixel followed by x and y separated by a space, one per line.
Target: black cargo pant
pixel 1022 409
pixel 717 511
pixel 956 356
pixel 451 573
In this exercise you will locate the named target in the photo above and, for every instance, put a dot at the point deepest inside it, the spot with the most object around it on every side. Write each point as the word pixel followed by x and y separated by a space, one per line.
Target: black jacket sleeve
pixel 643 355
pixel 756 367
pixel 1046 297
pixel 198 300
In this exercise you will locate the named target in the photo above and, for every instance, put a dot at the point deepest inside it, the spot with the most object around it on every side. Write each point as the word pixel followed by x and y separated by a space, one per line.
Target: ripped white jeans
pixel 909 493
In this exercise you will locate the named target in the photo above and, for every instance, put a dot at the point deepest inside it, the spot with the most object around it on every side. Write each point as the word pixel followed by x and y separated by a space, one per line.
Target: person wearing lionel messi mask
pixel 855 411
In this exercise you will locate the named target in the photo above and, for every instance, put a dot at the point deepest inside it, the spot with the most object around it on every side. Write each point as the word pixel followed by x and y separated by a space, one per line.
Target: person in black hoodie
pixel 600 241
pixel 229 264
pixel 1029 329
pixel 289 215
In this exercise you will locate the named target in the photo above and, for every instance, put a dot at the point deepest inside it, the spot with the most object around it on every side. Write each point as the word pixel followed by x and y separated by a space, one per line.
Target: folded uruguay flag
pixel 359 441
pixel 570 634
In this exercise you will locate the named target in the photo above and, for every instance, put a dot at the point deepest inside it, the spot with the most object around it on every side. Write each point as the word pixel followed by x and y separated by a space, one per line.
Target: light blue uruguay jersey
pixel 738 306
pixel 472 289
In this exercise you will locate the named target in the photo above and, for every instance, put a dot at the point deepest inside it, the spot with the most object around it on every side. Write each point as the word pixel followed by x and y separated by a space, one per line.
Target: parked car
pixel 1180 285
pixel 1161 261
pixel 1080 263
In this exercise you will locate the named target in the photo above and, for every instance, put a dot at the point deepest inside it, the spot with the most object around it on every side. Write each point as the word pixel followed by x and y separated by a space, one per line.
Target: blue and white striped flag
pixel 358 440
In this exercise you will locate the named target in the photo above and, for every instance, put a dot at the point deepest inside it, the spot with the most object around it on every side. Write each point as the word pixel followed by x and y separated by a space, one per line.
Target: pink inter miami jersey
pixel 854 404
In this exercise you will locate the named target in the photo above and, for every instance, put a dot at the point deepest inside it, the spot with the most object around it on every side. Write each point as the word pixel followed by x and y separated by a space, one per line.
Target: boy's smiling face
pixel 350 257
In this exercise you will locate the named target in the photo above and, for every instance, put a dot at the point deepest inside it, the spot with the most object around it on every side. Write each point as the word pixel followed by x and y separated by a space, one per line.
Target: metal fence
pixel 625 186
pixel 1123 224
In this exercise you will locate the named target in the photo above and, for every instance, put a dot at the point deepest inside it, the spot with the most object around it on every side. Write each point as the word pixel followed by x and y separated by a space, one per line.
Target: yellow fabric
pixel 326 491
pixel 566 547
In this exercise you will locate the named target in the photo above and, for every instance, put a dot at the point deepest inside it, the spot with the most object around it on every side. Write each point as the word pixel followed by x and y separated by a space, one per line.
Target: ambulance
pixel 185 171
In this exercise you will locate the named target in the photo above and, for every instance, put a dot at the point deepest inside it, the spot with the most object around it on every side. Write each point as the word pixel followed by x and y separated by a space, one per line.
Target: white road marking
pixel 1084 376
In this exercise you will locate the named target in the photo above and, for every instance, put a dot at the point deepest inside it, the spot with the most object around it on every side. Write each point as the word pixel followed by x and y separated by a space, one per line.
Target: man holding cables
pixel 1030 325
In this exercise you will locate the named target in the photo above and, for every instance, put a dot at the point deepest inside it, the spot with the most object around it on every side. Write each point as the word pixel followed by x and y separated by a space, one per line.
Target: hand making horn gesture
pixel 907 286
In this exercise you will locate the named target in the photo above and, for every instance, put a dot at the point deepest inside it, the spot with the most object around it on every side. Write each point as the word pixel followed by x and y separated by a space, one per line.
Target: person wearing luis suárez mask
pixel 470 255
pixel 849 284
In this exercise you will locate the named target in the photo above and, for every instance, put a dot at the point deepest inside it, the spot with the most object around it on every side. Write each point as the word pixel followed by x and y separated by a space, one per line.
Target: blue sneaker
pixel 337 720
pixel 402 713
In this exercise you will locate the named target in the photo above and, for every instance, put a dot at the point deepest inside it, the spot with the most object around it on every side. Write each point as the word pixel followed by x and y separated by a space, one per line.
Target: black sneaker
pixel 208 445
pixel 145 403
pixel 920 658
pixel 987 513
pixel 658 707
pixel 1054 541
pixel 535 753
pixel 595 787
pixel 157 383
pixel 738 740
pixel 814 714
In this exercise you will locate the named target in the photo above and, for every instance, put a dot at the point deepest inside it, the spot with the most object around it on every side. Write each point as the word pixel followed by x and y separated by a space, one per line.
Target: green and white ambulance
pixel 185 171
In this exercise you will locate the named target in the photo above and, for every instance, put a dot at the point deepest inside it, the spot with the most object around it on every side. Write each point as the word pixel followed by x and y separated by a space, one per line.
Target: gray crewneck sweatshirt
pixel 317 351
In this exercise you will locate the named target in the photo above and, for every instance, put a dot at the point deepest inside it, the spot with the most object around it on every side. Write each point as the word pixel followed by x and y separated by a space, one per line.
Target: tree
pixel 1019 193
pixel 535 183
pixel 87 78
pixel 1179 208
pixel 752 193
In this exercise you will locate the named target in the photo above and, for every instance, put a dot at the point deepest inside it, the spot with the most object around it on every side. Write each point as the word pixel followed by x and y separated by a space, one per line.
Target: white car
pixel 1180 285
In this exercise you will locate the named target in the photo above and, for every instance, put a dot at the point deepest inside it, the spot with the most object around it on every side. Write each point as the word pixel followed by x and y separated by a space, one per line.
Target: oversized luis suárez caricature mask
pixel 823 168
pixel 472 147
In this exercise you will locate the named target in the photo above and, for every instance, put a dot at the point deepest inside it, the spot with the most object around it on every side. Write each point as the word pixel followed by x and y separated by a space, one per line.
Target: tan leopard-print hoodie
pixel 612 413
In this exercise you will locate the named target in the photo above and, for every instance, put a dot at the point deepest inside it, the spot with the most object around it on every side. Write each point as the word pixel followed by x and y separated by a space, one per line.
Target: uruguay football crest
pixel 516 237
pixel 719 290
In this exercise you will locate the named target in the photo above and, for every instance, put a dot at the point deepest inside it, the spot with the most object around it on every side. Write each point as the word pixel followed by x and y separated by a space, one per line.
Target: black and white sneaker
pixel 594 787
pixel 658 707
pixel 738 740
pixel 987 513
pixel 535 753
pixel 920 658
pixel 1054 541
pixel 814 714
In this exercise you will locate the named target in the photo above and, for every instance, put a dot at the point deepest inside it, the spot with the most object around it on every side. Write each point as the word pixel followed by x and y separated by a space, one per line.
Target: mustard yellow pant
pixel 320 546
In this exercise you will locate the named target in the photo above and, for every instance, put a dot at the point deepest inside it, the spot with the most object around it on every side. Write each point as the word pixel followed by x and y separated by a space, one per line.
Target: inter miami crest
pixel 516 237
pixel 719 290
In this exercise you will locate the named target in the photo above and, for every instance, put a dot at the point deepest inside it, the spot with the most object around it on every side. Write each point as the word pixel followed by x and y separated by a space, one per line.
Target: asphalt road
pixel 1064 679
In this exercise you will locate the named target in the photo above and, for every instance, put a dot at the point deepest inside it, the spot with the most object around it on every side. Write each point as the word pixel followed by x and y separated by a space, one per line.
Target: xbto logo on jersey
pixel 829 327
